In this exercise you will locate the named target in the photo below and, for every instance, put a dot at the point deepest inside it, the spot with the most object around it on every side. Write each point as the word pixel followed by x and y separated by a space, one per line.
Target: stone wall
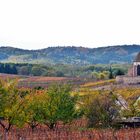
pixel 128 79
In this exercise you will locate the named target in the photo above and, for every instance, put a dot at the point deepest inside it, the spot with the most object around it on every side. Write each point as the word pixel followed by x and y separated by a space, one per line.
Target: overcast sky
pixel 34 24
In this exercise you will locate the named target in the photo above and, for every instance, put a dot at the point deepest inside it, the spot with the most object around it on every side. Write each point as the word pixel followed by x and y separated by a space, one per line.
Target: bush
pixel 102 110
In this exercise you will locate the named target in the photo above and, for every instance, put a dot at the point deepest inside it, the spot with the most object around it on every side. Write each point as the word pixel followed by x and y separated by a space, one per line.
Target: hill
pixel 71 55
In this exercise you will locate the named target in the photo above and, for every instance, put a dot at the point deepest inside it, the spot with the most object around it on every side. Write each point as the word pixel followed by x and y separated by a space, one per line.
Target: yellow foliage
pixel 99 83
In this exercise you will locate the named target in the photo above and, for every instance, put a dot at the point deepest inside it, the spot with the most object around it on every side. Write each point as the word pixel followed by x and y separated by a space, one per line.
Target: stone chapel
pixel 136 66
pixel 133 76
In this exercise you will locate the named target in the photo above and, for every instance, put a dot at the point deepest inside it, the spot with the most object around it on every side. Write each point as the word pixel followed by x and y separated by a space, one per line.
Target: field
pixel 36 81
pixel 40 81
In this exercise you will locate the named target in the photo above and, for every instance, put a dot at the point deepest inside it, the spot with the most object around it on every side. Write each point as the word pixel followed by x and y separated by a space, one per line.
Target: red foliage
pixel 44 134
pixel 68 132
pixel 36 81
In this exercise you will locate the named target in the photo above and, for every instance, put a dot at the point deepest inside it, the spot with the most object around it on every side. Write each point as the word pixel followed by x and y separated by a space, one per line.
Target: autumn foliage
pixel 66 113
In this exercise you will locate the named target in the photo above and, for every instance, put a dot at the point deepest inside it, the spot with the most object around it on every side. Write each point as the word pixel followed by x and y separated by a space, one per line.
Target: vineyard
pixel 42 133
pixel 40 81
pixel 61 112
pixel 99 83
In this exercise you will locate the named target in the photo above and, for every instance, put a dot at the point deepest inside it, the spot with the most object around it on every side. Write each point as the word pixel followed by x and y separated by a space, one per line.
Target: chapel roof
pixel 137 59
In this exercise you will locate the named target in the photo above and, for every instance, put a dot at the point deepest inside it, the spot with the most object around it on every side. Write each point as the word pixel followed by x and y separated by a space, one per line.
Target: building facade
pixel 133 76
pixel 136 66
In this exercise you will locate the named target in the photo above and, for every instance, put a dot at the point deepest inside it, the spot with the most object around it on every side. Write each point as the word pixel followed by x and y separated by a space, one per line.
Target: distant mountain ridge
pixel 71 55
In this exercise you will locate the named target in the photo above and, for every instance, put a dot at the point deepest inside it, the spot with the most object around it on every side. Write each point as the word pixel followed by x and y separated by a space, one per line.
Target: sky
pixel 36 24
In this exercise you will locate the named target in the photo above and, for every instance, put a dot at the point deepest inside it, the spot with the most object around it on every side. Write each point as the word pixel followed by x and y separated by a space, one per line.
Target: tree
pixel 49 107
pixel 23 70
pixel 111 73
pixel 34 108
pixel 7 68
pixel 13 69
pixel 102 76
pixel 102 110
pixel 11 106
pixel 95 75
pixel 59 74
pixel 60 105
pixel 2 70
pixel 119 72
pixel 38 71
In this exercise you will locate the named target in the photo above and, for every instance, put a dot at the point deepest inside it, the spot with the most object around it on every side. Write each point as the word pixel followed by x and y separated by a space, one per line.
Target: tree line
pixel 28 69
pixel 93 72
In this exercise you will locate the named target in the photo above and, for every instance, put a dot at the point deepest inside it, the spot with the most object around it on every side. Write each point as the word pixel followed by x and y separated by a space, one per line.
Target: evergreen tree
pixel 111 73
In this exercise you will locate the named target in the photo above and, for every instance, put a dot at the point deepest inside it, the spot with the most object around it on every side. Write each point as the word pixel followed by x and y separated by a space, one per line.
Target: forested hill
pixel 71 55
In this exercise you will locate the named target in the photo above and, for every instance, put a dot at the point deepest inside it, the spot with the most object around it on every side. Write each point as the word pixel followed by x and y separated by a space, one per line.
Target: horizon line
pixel 65 46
